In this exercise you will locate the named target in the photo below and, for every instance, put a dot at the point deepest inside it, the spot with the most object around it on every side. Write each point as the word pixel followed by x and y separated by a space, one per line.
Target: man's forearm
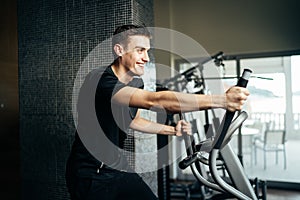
pixel 182 102
pixel 144 125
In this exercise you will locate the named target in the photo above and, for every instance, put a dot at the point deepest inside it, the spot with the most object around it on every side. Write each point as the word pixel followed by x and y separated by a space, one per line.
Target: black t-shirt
pixel 114 119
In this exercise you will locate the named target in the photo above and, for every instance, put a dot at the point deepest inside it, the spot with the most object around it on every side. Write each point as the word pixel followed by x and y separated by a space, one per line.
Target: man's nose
pixel 146 57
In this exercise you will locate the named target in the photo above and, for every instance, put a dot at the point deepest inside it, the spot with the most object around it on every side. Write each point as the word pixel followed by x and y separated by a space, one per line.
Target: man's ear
pixel 118 49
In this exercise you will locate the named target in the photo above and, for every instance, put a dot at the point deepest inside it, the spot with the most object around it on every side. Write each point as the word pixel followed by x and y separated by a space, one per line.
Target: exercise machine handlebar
pixel 242 82
pixel 206 146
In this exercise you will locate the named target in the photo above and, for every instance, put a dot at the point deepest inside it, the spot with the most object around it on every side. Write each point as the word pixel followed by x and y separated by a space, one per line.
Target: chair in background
pixel 271 140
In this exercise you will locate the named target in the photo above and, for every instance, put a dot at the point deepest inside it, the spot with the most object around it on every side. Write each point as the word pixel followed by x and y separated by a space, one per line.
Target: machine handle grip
pixel 242 82
pixel 188 161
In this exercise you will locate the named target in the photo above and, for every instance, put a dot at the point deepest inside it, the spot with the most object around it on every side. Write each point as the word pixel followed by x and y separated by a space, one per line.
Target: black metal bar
pixel 262 54
pixel 240 138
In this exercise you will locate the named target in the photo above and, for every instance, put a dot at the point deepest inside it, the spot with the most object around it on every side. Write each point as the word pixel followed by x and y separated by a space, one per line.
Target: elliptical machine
pixel 233 182
pixel 239 186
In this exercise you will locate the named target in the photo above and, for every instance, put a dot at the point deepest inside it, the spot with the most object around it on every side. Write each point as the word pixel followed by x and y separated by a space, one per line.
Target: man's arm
pixel 144 125
pixel 174 102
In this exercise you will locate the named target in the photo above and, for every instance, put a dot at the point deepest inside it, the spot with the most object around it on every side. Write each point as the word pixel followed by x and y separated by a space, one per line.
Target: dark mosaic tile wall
pixel 142 12
pixel 54 38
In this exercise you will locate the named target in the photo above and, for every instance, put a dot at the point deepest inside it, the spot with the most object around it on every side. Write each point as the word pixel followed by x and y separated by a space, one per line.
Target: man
pixel 118 98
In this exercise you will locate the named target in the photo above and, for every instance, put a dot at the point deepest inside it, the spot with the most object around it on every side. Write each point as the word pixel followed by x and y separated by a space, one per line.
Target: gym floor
pixel 274 194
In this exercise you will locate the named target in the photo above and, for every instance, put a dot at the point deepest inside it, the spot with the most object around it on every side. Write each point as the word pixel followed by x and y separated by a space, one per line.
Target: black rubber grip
pixel 243 80
pixel 188 161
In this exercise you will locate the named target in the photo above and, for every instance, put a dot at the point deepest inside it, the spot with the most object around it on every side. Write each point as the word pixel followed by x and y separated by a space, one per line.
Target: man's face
pixel 136 54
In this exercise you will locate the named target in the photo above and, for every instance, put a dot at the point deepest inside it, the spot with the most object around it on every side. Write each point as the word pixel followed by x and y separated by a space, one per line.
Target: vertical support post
pixel 240 138
pixel 288 124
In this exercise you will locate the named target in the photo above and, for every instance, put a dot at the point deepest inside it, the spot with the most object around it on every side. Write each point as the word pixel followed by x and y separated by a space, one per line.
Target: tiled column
pixel 54 38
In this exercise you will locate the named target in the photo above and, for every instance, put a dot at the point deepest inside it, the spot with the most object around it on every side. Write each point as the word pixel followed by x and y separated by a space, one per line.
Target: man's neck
pixel 123 75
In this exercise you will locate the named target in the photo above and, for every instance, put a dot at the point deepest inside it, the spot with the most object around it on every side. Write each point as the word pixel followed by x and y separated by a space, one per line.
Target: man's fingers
pixel 186 127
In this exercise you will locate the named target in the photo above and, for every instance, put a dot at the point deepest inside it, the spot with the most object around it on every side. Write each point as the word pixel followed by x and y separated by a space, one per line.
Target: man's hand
pixel 183 127
pixel 236 97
